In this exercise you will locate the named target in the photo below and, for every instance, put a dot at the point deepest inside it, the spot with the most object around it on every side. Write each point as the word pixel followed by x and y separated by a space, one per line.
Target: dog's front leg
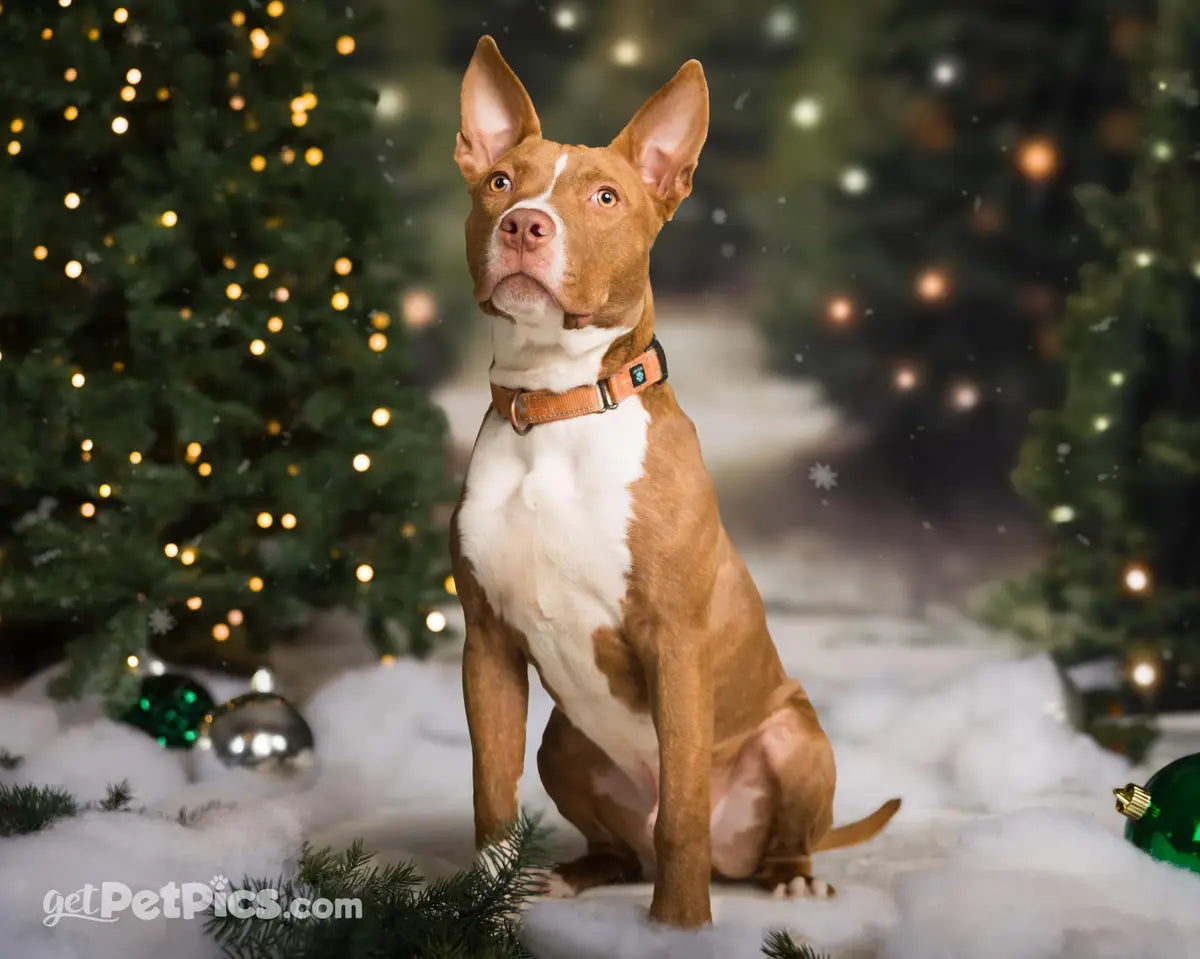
pixel 682 702
pixel 496 694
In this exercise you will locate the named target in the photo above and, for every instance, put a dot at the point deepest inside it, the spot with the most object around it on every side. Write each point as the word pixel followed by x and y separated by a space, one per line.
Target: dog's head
pixel 561 234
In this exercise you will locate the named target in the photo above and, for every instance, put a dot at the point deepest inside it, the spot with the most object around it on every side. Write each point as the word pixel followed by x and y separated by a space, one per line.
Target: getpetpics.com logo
pixel 186 900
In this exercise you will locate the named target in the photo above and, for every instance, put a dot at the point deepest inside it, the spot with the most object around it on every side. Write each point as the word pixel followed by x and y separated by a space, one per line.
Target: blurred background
pixel 876 256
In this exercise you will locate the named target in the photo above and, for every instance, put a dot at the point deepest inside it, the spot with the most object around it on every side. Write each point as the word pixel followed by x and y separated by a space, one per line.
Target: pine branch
pixel 26 809
pixel 780 945
pixel 471 915
pixel 118 798
pixel 8 760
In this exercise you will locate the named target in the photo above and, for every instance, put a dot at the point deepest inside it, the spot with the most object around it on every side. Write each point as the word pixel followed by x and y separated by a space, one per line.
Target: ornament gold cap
pixel 1132 801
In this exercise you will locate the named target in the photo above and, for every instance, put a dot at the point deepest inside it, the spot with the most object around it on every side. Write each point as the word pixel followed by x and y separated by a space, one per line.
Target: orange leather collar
pixel 525 409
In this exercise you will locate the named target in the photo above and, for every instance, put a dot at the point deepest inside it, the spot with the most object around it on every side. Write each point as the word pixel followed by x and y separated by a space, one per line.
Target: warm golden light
pixel 120 14
pixel 1136 578
pixel 905 379
pixel 204 469
pixel 40 253
pixel 451 586
pixel 187 556
pixel 14 147
pixel 377 342
pixel 71 201
pixel 171 550
pixel 419 308
pixel 435 622
pixel 259 39
pixel 313 156
pixel 264 520
pixel 194 603
pixel 274 427
pixel 288 520
pixel 964 396
pixel 840 310
pixel 275 324
pixel 281 294
pixel 340 300
pixel 345 45
pixel 168 218
pixel 104 490
pixel 119 125
pixel 77 380
pixel 298 120
pixel 88 509
pixel 1144 674
pixel 86 446
pixel 235 617
pixel 71 112
pixel 132 661
pixel 408 530
pixel 380 320
pixel 258 163
pixel 309 100
pixel 133 75
pixel 258 347
pixel 220 632
pixel 261 271
pixel 135 457
pixel 381 417
pixel 275 9
pixel 364 573
pixel 47 33
pixel 255 584
pixel 931 285
pixel 1037 159
pixel 71 75
pixel 73 269
pixel 1062 513
pixel 17 126
pixel 233 291
pixel 237 18
pixel 128 94
pixel 237 102
pixel 228 262
pixel 361 462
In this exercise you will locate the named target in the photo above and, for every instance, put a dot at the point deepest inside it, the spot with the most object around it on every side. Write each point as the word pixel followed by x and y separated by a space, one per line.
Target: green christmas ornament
pixel 171 708
pixel 1164 814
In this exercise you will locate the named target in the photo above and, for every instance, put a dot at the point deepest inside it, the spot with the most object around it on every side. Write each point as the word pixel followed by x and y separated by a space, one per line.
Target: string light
pixel 14 147
pixel 1144 674
pixel 235 617
pixel 1101 423
pixel 1037 159
pixel 194 603
pixel 288 520
pixel 364 573
pixel 1136 578
pixel 298 120
pixel 71 201
pixel 419 308
pixel 133 75
pixel 104 490
pixel 287 154
pixel 855 180
pixel 1143 258
pixel 135 457
pixel 964 396
pixel 905 379
pixel 361 462
pixel 806 112
pixel 340 300
pixel 380 320
pixel 381 417
pixel 237 18
pixel 187 556
pixel 387 659
pixel 88 509
pixel 17 125
pixel 237 102
pixel 86 446
pixel 1162 151
pixel 626 52
pixel 1062 513
pixel 47 33
pixel 565 17
pixel 71 75
pixel 119 125
pixel 228 262
pixel 132 661
pixel 168 218
pixel 261 271
pixel 204 469
pixel 93 34
pixel 309 99
pixel 233 291
pixel 931 285
pixel 128 94
pixel 77 380
pixel 281 294
pixel 345 45
pixel 451 586
pixel 274 427
pixel 1116 377
pixel 275 324
pixel 944 71
pixel 264 520
pixel 258 163
pixel 313 156
pixel 120 14
pixel 256 584
pixel 435 622
pixel 171 550
pixel 392 102
pixel 71 112
pixel 259 39
pixel 840 310
pixel 408 530
pixel 73 269
pixel 275 9
pixel 377 342
pixel 220 632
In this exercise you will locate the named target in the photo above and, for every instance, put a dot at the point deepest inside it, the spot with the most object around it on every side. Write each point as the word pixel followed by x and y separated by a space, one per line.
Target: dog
pixel 587 539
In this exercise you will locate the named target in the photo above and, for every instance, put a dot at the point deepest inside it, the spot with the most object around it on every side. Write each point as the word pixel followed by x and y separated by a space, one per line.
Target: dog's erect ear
pixel 495 112
pixel 664 139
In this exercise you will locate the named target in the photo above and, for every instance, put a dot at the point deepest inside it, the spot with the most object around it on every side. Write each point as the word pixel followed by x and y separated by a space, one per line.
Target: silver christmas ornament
pixel 258 730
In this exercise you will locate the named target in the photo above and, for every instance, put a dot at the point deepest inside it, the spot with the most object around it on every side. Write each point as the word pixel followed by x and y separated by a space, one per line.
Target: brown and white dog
pixel 587 540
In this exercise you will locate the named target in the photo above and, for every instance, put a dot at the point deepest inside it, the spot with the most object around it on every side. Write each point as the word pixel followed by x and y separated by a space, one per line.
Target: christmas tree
pixel 1116 469
pixel 929 232
pixel 210 422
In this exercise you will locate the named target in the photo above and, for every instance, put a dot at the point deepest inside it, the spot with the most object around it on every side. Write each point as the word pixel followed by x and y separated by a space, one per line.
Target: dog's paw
pixel 804 887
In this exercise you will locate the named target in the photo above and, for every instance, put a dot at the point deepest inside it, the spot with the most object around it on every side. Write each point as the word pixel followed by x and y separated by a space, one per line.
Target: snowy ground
pixel 1007 847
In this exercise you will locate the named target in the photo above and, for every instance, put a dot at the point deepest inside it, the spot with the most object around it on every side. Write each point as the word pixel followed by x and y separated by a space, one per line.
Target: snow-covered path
pixel 1007 846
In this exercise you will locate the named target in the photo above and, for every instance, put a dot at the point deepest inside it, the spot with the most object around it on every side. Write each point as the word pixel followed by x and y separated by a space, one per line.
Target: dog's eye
pixel 605 197
pixel 499 183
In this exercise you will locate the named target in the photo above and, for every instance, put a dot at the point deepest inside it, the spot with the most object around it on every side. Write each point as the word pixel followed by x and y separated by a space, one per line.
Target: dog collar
pixel 525 409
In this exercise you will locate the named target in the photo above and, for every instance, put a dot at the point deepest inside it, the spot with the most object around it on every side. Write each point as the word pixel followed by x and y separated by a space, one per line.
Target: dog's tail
pixel 859 831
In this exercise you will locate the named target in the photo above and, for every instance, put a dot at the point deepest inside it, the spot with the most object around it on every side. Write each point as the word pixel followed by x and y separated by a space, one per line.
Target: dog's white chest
pixel 544 522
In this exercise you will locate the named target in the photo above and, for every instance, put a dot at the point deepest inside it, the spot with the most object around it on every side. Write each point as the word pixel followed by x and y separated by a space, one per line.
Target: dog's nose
pixel 527 229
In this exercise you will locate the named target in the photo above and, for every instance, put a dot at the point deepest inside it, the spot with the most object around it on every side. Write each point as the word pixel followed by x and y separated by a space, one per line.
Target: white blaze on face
pixel 552 275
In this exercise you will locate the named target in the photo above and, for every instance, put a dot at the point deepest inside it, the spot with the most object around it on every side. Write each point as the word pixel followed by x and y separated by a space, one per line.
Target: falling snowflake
pixel 822 476
pixel 161 622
